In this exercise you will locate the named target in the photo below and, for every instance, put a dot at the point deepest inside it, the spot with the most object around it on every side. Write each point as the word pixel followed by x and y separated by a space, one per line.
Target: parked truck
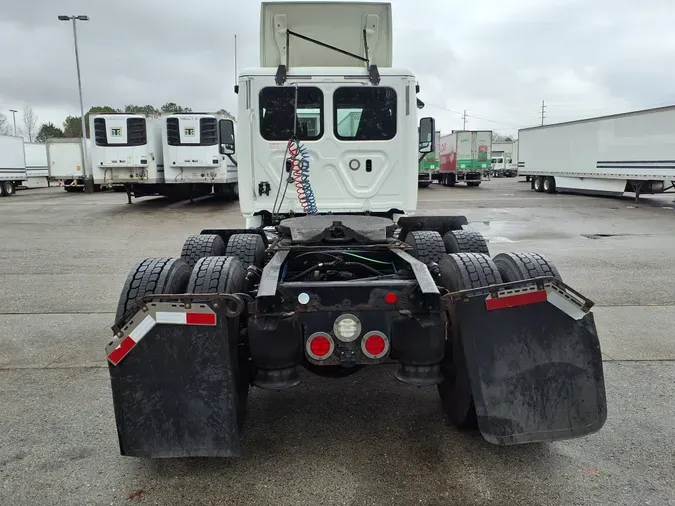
pixel 12 164
pixel 333 272
pixel 65 159
pixel 505 159
pixel 194 154
pixel 126 149
pixel 632 152
pixel 37 167
pixel 429 166
pixel 465 157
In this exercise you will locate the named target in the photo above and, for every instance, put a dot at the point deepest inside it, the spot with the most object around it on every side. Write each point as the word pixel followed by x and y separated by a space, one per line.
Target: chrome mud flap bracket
pixel 534 360
pixel 175 380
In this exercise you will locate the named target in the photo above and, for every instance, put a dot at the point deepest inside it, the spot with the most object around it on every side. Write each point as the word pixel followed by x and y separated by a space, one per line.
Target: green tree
pixel 72 126
pixel 48 131
pixel 141 109
pixel 172 107
pixel 225 112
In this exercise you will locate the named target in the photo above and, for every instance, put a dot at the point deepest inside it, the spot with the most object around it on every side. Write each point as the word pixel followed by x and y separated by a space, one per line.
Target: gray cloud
pixel 496 59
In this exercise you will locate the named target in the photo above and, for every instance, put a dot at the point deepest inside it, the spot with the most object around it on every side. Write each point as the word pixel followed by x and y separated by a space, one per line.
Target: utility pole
pixel 14 111
pixel 543 114
pixel 88 178
pixel 464 119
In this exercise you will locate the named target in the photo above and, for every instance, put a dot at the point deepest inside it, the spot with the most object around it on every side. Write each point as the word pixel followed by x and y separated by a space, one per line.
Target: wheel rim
pixel 537 184
pixel 547 185
pixel 8 188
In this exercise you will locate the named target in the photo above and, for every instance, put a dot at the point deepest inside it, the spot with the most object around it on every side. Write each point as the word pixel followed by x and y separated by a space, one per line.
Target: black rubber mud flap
pixel 535 367
pixel 175 392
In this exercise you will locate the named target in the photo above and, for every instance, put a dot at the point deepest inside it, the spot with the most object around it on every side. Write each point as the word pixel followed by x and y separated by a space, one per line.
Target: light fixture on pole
pixel 88 182
pixel 14 111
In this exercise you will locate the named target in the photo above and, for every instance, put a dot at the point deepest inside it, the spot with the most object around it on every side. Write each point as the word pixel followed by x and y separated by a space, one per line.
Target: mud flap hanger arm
pixel 282 70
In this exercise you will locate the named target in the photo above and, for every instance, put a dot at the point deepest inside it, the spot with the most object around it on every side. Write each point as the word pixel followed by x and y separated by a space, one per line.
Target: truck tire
pixel 465 241
pixel 249 248
pixel 449 180
pixel 7 188
pixel 473 183
pixel 427 245
pixel 461 271
pixel 223 274
pixel 521 266
pixel 549 184
pixel 200 246
pixel 423 185
pixel 153 276
pixel 538 184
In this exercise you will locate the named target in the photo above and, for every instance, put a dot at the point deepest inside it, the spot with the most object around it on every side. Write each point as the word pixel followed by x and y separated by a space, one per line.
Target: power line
pixel 463 114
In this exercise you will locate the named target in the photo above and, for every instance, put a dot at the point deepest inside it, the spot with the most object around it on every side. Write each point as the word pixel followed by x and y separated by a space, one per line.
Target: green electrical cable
pixel 367 259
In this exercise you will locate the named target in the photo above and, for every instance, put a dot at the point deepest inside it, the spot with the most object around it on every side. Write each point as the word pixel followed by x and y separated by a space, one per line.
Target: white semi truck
pixel 12 164
pixel 194 154
pixel 332 273
pixel 127 149
pixel 632 152
pixel 505 158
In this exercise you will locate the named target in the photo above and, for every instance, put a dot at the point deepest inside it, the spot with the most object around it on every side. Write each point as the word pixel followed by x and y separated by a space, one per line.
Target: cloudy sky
pixel 496 59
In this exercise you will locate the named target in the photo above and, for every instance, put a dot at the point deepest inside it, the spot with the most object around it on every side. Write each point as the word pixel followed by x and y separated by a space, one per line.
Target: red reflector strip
pixel 521 299
pixel 121 351
pixel 200 318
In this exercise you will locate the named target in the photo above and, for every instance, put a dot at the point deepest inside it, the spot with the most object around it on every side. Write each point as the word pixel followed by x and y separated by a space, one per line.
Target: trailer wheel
pixel 460 272
pixel 151 276
pixel 427 245
pixel 223 274
pixel 7 188
pixel 423 185
pixel 465 241
pixel 449 179
pixel 200 246
pixel 538 184
pixel 521 266
pixel 549 184
pixel 249 248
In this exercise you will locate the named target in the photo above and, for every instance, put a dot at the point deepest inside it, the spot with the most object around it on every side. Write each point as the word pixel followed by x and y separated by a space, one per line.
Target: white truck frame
pixel 609 155
pixel 12 164
pixel 193 154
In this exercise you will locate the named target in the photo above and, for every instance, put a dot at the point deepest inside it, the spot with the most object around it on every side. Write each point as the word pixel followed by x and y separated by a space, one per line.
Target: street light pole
pixel 88 181
pixel 14 111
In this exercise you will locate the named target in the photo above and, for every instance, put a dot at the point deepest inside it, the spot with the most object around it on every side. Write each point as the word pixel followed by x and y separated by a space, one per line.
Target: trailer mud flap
pixel 176 383
pixel 534 362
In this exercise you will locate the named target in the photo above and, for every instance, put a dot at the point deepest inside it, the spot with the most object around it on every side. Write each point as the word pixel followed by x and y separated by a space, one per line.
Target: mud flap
pixel 534 362
pixel 175 387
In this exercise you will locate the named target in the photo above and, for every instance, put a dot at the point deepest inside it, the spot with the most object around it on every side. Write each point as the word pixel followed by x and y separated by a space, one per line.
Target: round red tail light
pixel 390 298
pixel 375 344
pixel 320 346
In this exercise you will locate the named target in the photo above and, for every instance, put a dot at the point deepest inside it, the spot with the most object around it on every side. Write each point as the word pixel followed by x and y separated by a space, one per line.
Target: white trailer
pixel 12 164
pixel 127 149
pixel 610 155
pixel 194 157
pixel 65 160
pixel 37 167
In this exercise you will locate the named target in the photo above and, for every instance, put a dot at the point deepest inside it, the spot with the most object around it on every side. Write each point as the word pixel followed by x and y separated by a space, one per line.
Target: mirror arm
pixel 233 160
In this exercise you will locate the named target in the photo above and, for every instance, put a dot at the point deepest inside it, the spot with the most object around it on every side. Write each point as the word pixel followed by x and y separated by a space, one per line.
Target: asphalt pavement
pixel 362 440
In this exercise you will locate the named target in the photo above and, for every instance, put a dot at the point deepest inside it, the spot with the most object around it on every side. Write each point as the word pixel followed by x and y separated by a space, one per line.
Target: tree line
pixel 72 125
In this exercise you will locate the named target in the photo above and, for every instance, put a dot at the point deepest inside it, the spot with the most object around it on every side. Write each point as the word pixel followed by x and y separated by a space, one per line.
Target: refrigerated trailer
pixel 465 157
pixel 127 149
pixel 332 274
pixel 194 154
pixel 12 164
pixel 632 152
pixel 37 167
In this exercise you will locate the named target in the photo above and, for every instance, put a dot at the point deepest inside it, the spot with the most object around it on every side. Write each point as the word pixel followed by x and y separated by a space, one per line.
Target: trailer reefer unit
pixel 330 277
pixel 465 157
pixel 610 155
pixel 12 164
pixel 127 149
pixel 194 155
